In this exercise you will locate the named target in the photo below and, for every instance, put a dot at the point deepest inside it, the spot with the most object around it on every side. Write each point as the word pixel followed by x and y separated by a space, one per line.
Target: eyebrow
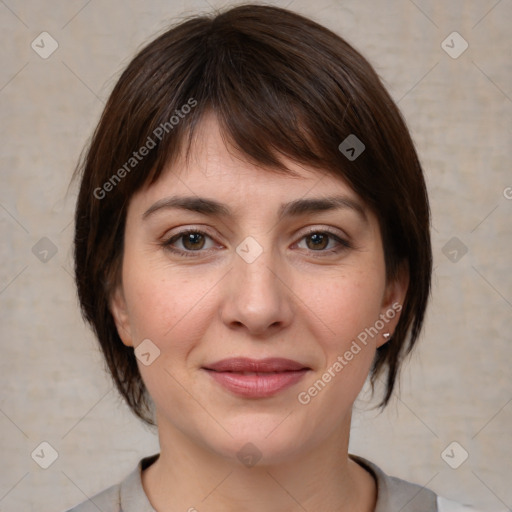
pixel 295 208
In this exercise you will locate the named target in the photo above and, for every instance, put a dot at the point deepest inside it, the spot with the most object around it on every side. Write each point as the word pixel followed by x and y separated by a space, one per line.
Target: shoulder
pixel 446 505
pixel 396 494
pixel 108 500
pixel 126 496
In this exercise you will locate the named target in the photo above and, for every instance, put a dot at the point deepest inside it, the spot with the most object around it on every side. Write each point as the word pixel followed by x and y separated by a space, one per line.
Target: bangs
pixel 259 88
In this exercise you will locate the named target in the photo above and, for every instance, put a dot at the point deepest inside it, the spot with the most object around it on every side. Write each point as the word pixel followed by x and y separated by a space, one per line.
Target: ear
pixel 392 304
pixel 121 317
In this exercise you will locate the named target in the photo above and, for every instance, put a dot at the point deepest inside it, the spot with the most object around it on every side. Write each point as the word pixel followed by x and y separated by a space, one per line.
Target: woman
pixel 252 241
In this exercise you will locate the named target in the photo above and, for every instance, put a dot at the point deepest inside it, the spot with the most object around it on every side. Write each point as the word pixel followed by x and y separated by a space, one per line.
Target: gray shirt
pixel 393 494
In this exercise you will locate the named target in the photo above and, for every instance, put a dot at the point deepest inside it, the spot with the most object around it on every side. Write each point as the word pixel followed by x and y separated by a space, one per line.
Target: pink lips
pixel 252 378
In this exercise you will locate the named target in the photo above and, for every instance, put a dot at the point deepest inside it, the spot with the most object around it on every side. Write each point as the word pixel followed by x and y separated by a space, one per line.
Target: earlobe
pixel 392 304
pixel 121 318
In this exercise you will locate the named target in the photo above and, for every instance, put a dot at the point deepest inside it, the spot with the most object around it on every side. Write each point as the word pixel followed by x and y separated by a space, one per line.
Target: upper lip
pixel 245 364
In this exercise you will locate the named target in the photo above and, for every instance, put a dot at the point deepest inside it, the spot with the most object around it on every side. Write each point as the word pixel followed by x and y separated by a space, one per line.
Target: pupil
pixel 318 240
pixel 193 239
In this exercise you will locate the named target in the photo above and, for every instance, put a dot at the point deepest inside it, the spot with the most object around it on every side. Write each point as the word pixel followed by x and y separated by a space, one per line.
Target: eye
pixel 323 241
pixel 190 241
pixel 193 242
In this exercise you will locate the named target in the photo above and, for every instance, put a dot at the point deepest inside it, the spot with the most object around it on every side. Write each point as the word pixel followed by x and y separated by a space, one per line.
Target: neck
pixel 188 476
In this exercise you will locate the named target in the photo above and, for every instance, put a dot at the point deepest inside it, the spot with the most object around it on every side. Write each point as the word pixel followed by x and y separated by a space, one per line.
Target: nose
pixel 257 298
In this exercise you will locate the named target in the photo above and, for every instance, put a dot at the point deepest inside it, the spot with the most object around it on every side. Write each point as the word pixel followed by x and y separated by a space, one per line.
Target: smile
pixel 250 378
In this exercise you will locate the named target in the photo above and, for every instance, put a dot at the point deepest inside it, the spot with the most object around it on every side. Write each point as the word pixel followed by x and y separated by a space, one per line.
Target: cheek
pixel 347 304
pixel 166 304
pixel 173 309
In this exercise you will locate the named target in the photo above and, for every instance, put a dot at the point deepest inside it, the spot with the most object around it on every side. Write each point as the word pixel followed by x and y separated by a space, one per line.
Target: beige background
pixel 457 386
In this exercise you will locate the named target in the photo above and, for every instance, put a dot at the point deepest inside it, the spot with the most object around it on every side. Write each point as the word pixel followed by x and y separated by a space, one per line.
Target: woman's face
pixel 256 301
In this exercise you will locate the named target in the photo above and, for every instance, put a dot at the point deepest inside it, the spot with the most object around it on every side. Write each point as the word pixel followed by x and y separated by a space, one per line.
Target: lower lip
pixel 262 385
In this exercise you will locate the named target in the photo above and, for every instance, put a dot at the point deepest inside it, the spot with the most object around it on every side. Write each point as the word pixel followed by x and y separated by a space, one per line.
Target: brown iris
pixel 319 240
pixel 193 241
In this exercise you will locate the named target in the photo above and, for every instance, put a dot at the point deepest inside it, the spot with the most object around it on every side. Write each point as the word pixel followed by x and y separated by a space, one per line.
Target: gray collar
pixel 393 494
pixel 131 493
pixel 396 495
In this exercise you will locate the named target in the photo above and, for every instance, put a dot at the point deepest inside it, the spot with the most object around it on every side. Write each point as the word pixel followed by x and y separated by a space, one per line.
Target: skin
pixel 298 300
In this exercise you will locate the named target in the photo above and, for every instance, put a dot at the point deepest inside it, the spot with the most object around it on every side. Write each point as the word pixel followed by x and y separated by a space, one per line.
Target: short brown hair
pixel 279 84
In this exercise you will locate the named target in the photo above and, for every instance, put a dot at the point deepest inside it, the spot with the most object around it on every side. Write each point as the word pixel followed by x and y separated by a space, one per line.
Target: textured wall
pixel 457 386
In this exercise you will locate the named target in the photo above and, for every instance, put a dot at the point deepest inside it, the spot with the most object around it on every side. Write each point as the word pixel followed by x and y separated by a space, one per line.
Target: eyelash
pixel 167 244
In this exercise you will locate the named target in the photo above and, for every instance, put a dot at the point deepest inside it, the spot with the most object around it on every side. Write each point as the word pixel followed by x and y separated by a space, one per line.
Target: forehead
pixel 214 166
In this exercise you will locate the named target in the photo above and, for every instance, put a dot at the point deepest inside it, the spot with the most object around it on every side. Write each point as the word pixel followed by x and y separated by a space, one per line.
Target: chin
pixel 262 441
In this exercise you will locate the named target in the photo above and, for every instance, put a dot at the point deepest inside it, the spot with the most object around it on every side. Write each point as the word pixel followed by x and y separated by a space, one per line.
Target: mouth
pixel 252 378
